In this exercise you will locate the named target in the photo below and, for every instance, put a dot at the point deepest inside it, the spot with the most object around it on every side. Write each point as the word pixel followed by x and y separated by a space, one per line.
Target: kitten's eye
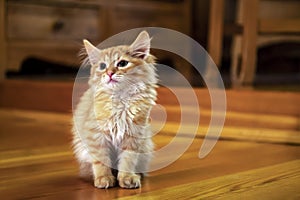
pixel 122 63
pixel 102 66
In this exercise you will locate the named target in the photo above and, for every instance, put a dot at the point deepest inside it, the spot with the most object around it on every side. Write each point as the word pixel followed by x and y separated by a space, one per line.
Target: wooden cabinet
pixel 48 30
pixel 137 13
pixel 39 22
pixel 53 29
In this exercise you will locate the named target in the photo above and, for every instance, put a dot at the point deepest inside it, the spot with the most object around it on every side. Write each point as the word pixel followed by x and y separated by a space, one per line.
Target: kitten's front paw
pixel 127 180
pixel 105 182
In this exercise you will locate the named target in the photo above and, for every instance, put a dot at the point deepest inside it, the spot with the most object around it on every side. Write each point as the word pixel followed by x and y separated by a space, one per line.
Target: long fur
pixel 111 122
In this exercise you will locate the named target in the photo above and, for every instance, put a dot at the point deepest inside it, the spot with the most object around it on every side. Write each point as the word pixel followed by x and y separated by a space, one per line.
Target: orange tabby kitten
pixel 111 122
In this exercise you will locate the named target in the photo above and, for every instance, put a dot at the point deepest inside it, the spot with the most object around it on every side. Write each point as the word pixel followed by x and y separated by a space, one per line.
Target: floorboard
pixel 273 182
pixel 36 162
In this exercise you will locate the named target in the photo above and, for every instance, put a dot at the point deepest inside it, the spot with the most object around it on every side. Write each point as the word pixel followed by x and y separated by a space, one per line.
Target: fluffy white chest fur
pixel 121 119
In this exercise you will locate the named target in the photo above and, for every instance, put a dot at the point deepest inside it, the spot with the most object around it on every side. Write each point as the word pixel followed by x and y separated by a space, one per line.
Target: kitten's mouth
pixel 112 81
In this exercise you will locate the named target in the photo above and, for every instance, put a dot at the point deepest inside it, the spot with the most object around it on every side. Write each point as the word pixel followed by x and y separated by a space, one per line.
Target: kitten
pixel 111 129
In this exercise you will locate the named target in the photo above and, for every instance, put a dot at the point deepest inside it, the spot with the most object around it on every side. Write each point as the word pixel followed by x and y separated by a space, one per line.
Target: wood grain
pixel 248 65
pixel 235 133
pixel 275 182
pixel 66 23
pixel 274 118
pixel 20 50
pixel 245 101
pixel 2 41
pixel 233 118
pixel 149 13
pixel 52 22
pixel 215 32
pixel 279 26
pixel 36 161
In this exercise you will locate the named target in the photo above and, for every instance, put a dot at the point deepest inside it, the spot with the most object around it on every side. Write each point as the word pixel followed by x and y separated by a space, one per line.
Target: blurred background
pixel 254 43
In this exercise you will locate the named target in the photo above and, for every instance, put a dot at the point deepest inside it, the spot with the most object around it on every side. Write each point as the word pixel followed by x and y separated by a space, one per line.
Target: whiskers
pixel 129 82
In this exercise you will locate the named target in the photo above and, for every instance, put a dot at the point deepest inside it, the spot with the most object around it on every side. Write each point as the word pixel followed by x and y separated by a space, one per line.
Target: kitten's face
pixel 117 68
pixel 121 66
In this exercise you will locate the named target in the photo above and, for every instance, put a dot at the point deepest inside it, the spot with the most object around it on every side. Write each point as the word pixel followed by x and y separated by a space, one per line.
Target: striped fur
pixel 111 122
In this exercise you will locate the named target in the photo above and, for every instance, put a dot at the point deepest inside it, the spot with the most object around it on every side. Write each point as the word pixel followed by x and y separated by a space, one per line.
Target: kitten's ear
pixel 141 46
pixel 92 52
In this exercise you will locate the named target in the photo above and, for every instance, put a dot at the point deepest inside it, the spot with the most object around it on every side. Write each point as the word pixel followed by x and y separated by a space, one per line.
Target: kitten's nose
pixel 110 73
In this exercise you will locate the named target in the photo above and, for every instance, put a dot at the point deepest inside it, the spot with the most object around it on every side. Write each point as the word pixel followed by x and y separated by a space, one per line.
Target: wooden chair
pixel 249 26
pixel 2 41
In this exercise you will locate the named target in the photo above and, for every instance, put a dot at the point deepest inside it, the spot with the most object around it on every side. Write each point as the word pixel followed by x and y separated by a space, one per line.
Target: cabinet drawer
pixel 28 21
pixel 150 13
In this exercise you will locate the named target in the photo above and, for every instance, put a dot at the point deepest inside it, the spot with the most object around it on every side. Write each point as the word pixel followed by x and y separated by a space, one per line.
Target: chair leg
pixel 245 76
pixel 3 54
pixel 215 40
pixel 249 47
pixel 236 49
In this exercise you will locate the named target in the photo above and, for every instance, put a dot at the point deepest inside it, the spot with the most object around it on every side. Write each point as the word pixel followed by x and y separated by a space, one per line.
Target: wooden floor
pixel 257 157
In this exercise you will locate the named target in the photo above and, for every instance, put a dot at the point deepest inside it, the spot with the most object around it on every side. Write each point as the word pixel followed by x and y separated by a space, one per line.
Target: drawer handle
pixel 58 25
